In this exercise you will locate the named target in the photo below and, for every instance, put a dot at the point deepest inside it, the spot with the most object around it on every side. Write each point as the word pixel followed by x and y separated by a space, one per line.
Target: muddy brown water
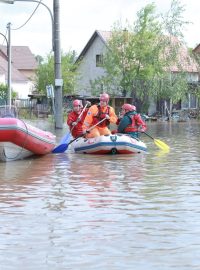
pixel 82 212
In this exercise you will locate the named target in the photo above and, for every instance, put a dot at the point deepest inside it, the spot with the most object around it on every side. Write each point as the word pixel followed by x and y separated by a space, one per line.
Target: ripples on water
pixel 79 212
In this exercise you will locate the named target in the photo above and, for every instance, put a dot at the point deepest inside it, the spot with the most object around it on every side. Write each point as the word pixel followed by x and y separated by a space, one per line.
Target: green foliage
pixel 45 73
pixel 140 55
pixel 173 20
pixel 39 59
pixel 173 86
pixel 3 91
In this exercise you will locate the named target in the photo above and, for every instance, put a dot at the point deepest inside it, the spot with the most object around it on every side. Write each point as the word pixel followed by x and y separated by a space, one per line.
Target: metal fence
pixel 29 107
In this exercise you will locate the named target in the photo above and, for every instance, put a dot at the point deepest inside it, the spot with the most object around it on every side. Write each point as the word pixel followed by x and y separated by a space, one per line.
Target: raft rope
pixel 22 147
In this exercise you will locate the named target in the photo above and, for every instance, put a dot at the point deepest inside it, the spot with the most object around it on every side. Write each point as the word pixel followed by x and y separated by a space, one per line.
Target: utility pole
pixel 55 17
pixel 8 45
pixel 9 66
pixel 57 67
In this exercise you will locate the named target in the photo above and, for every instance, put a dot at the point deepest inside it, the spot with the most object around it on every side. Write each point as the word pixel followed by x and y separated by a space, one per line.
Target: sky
pixel 79 19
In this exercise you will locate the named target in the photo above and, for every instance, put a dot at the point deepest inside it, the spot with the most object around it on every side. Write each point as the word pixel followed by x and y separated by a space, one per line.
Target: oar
pixel 65 140
pixel 159 143
pixel 88 130
pixel 62 148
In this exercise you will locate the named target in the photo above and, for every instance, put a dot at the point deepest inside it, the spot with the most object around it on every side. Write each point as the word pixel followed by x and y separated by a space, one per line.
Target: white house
pixel 23 67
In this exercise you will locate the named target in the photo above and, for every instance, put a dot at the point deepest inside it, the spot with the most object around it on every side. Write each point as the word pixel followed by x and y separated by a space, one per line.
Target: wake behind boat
pixel 109 144
pixel 19 140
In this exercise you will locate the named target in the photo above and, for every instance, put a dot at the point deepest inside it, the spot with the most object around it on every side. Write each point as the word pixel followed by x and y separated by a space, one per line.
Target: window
pixel 190 102
pixel 99 60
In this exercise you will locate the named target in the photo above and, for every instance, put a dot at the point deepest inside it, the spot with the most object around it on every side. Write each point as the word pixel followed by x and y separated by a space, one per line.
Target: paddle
pixel 159 143
pixel 65 140
pixel 65 146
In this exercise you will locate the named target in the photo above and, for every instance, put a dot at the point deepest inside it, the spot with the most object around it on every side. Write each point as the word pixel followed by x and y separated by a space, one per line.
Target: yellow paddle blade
pixel 161 145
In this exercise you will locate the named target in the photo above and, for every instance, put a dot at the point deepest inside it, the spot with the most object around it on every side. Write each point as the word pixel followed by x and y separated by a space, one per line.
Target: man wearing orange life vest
pixel 131 122
pixel 76 117
pixel 96 113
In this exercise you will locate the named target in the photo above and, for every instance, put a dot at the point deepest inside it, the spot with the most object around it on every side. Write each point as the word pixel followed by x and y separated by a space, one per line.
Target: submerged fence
pixel 30 108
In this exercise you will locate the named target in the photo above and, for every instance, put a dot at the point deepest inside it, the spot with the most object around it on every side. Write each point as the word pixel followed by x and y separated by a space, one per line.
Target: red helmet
pixel 104 97
pixel 77 102
pixel 127 107
pixel 134 108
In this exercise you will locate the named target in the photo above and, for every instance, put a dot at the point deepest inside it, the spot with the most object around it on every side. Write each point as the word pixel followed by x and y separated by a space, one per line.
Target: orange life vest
pixel 133 126
pixel 101 115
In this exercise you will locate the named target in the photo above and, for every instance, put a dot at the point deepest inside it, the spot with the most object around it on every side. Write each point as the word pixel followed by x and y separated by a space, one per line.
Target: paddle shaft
pixel 79 117
pixel 148 135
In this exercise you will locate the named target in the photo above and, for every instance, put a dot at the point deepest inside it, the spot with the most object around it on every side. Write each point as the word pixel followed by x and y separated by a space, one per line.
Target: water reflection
pixel 20 179
pixel 70 211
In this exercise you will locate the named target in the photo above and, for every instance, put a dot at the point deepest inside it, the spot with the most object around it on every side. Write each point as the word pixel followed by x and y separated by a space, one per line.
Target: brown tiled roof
pixel 16 75
pixel 184 61
pixel 22 57
pixel 197 49
pixel 106 35
pixel 2 70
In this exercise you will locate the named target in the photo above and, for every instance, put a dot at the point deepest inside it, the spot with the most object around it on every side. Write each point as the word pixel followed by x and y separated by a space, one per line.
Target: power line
pixel 28 18
pixel 4 37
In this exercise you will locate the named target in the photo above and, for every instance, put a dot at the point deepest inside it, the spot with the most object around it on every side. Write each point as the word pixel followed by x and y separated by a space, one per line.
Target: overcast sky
pixel 80 18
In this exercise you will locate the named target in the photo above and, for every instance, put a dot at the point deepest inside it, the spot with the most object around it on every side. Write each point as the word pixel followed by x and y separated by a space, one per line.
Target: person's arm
pixel 140 123
pixel 113 116
pixel 70 118
pixel 89 117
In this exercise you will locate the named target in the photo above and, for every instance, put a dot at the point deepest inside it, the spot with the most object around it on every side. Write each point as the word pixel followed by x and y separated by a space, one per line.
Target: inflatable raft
pixel 109 144
pixel 19 140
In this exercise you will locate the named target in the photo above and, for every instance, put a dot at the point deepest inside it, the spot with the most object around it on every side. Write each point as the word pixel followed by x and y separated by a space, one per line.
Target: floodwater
pixel 81 212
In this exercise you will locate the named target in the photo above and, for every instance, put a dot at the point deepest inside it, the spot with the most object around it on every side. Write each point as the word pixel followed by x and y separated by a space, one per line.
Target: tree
pixel 141 54
pixel 4 92
pixel 39 59
pixel 45 73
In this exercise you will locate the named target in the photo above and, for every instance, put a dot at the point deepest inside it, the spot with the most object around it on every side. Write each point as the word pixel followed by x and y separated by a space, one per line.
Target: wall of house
pixel 193 77
pixel 87 70
pixel 22 89
pixel 2 78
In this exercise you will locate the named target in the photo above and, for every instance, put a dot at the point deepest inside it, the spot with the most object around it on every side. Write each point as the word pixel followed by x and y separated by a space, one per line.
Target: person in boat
pixel 131 122
pixel 95 114
pixel 76 117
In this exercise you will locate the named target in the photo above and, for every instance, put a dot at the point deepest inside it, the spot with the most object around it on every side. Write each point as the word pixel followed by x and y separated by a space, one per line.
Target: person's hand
pixel 85 131
pixel 74 124
pixel 107 116
pixel 118 121
pixel 141 129
pixel 88 104
pixel 120 116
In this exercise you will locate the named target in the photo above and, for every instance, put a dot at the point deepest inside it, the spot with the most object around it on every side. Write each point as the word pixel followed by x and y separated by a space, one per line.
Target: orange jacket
pixel 93 112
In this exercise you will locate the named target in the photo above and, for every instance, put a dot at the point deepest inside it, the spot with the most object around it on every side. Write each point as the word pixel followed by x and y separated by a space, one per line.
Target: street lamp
pixel 57 56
